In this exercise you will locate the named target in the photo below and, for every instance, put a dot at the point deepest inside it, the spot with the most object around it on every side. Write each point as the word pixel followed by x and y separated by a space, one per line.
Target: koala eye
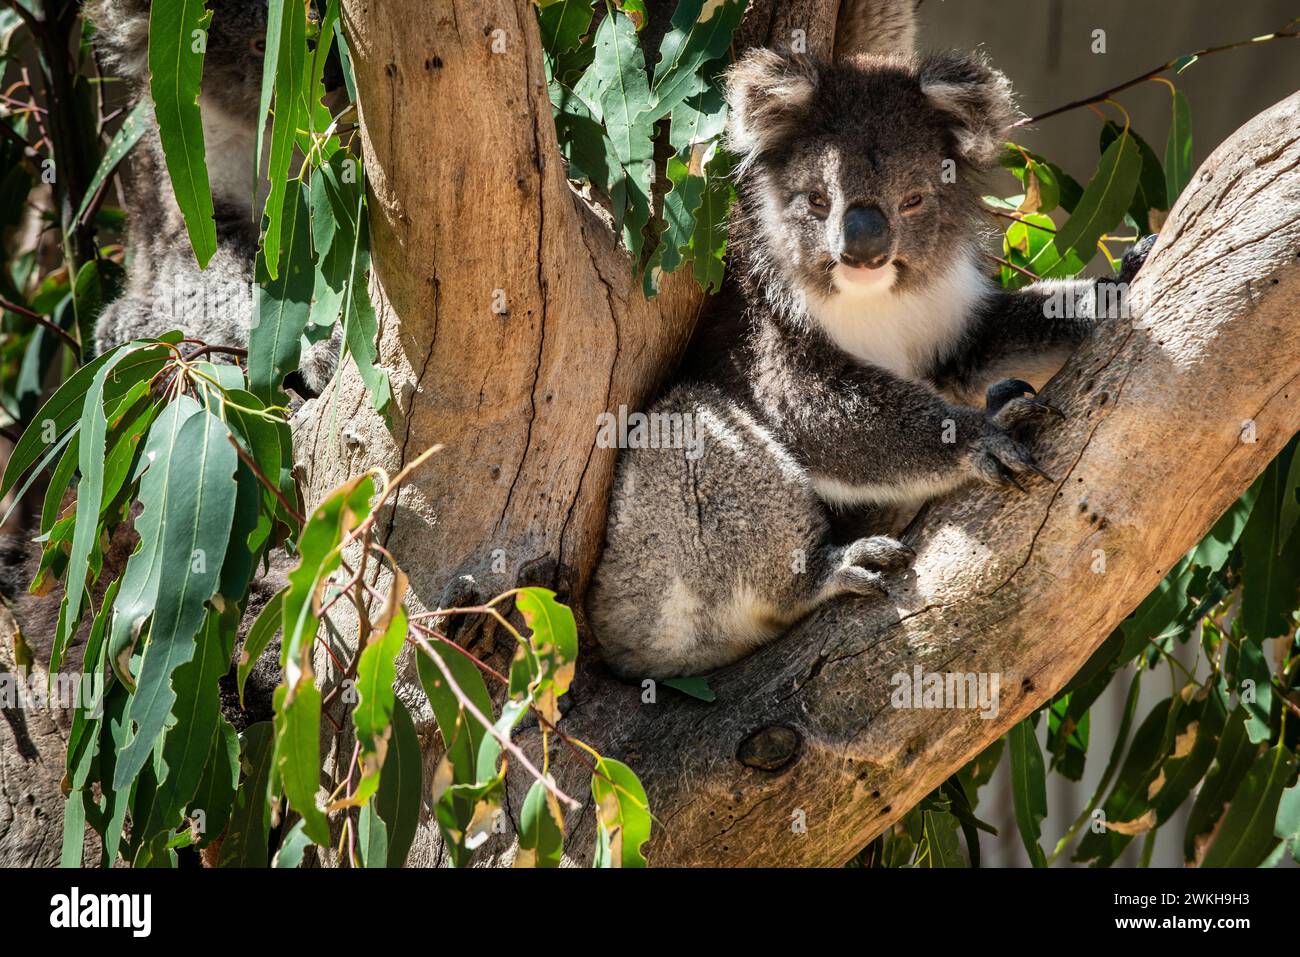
pixel 259 46
pixel 818 201
pixel 912 203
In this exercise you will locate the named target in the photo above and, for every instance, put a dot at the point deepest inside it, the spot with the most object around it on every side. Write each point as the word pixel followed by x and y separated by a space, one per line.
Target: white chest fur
pixel 902 332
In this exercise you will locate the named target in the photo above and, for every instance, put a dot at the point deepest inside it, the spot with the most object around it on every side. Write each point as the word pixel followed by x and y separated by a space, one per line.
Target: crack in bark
pixel 542 286
pixel 410 408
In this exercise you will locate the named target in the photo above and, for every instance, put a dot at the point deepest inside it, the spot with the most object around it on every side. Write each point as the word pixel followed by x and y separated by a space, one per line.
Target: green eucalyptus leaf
pixel 1028 787
pixel 199 516
pixel 297 752
pixel 1246 834
pixel 124 140
pixel 92 437
pixel 695 687
pixel 401 787
pixel 373 714
pixel 1287 824
pixel 139 592
pixel 541 829
pixel 340 512
pixel 175 72
pixel 1105 200
pixel 246 840
pixel 131 364
pixel 700 33
pixel 1178 149
pixel 943 848
pixel 620 83
pixel 293 848
pixel 187 742
pixel 265 627
pixel 1270 564
pixel 622 815
pixel 214 798
pixel 1151 189
pixel 1128 805
pixel 284 299
pixel 286 34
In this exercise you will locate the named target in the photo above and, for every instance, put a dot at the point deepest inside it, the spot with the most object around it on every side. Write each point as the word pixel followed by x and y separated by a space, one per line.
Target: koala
pixel 165 289
pixel 844 368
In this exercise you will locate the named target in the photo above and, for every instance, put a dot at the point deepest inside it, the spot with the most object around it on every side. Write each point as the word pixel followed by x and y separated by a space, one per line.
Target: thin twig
pixel 501 739
pixel 235 351
pixel 1283 34
pixel 488 669
pixel 1011 265
pixel 262 477
pixel 1018 219
pixel 73 344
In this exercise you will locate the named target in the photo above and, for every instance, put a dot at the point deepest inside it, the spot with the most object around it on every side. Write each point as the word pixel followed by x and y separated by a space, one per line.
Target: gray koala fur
pixel 822 382
pixel 165 289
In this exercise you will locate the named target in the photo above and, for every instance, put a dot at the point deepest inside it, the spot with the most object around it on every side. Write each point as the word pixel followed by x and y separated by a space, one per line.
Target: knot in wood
pixel 769 749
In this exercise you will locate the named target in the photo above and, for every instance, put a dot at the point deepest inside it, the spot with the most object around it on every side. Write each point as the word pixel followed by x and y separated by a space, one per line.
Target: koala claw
pixel 1000 460
pixel 1135 257
pixel 1000 393
pixel 1021 413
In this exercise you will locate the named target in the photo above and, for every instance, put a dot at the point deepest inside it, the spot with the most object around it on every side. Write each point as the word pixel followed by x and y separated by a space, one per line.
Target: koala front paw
pixel 1011 406
pixel 997 458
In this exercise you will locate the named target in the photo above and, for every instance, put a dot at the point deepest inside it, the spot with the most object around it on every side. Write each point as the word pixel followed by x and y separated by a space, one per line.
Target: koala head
pixel 232 66
pixel 232 62
pixel 861 177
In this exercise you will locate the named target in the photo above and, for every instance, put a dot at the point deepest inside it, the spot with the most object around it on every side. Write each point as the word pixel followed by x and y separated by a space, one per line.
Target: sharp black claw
pixel 1011 478
pixel 1033 467
pixel 1000 393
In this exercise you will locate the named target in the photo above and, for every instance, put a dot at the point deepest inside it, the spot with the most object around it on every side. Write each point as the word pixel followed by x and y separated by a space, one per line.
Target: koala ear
pixel 976 97
pixel 766 93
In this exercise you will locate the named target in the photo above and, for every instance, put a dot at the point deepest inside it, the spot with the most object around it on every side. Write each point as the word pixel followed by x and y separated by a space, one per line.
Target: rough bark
pixel 33 746
pixel 470 200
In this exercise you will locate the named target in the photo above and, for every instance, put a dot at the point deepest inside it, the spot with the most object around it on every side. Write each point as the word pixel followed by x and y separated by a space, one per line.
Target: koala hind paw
pixel 859 581
pixel 878 553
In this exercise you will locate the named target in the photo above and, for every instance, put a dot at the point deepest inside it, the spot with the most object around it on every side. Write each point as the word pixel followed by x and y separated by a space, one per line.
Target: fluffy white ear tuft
pixel 767 91
pixel 977 97
pixel 876 28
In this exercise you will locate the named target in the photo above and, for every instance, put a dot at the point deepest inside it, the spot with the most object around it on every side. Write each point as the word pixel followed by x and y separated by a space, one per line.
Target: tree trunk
pixel 510 318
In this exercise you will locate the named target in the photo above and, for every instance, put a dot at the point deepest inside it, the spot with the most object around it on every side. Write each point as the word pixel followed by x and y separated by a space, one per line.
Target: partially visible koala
pixel 165 289
pixel 842 368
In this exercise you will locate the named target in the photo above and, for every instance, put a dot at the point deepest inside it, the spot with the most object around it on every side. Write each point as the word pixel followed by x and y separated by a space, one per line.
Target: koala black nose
pixel 866 237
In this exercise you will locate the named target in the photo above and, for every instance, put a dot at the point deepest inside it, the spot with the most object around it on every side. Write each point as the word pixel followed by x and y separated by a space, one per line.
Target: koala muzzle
pixel 867 239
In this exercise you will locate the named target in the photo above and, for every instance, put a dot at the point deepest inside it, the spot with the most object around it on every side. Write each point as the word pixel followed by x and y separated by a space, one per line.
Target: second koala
pixel 165 287
pixel 841 369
